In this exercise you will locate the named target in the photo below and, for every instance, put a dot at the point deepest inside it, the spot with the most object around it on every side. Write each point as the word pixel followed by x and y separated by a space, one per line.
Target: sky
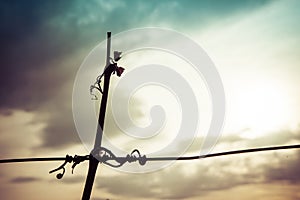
pixel 254 45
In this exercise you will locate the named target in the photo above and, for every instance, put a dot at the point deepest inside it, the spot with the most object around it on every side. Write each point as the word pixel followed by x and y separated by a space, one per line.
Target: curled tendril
pixel 118 70
pixel 69 159
pixel 106 156
pixel 136 155
pixel 97 86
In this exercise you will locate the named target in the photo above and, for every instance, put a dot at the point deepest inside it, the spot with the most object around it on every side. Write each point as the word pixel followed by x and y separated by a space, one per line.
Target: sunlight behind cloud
pixel 263 107
pixel 258 68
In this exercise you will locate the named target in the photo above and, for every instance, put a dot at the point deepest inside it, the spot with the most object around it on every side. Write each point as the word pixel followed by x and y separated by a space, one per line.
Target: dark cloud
pixel 30 51
pixel 73 179
pixel 24 180
pixel 36 35
pixel 102 198
pixel 60 131
pixel 40 39
pixel 288 170
pixel 36 66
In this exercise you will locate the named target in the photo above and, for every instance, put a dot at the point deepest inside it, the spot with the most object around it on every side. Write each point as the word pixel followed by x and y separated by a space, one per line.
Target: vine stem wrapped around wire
pixel 106 156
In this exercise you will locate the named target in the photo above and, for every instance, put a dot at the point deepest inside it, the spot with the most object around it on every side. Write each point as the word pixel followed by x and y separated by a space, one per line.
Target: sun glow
pixel 263 108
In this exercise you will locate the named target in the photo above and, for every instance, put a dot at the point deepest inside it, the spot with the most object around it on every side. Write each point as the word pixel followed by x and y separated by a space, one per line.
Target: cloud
pixel 201 178
pixel 73 179
pixel 42 45
pixel 30 51
pixel 36 35
pixel 60 130
pixel 288 170
pixel 181 181
pixel 26 179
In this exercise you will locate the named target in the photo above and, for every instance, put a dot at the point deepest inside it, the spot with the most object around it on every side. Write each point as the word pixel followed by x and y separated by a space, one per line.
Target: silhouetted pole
pixel 93 162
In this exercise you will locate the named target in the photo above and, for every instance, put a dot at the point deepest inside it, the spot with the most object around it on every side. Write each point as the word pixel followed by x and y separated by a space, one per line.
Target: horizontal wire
pixel 274 148
pixel 16 160
pixel 297 146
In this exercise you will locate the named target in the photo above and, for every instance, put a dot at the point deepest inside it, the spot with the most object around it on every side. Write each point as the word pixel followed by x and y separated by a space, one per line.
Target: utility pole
pixel 93 162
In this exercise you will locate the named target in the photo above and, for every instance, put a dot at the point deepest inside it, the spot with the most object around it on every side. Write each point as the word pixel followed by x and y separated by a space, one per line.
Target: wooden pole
pixel 93 162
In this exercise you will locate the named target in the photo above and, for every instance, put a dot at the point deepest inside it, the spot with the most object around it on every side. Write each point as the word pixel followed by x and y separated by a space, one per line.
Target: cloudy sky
pixel 254 45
